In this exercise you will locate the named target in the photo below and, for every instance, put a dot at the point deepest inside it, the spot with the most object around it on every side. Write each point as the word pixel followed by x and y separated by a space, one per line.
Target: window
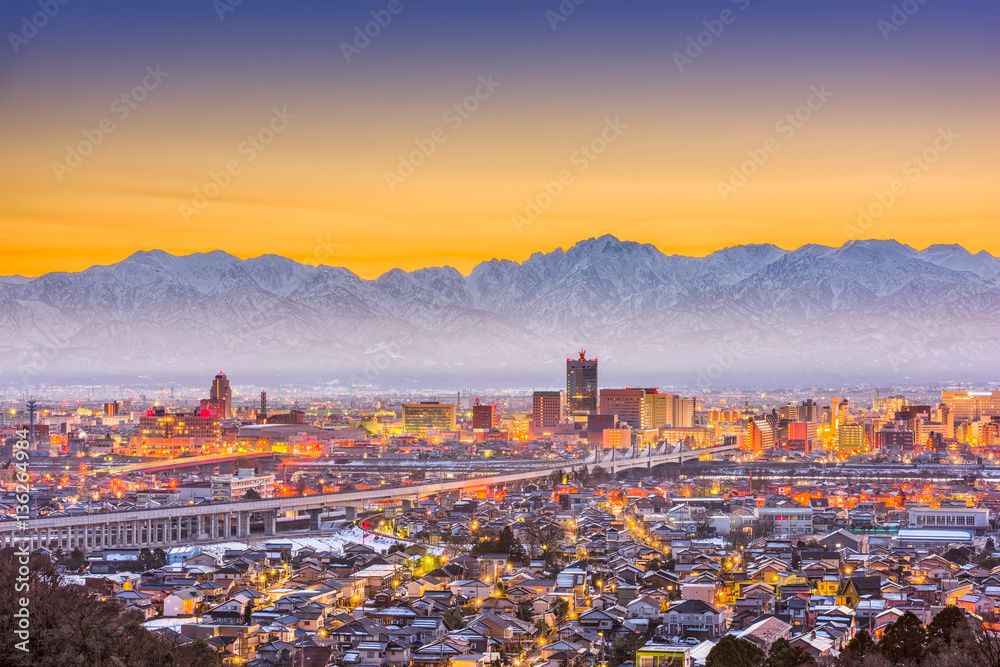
pixel 960 520
pixel 951 519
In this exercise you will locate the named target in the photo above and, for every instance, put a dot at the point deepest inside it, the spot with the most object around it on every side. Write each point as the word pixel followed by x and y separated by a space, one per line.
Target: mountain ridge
pixel 871 308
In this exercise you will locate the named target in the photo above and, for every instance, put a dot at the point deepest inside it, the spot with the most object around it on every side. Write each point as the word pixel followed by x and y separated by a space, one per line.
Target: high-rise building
pixel 417 417
pixel 546 409
pixel 223 393
pixel 810 411
pixel 670 410
pixel 111 409
pixel 484 416
pixel 684 409
pixel 628 404
pixel 851 439
pixel 972 405
pixel 762 432
pixel 581 385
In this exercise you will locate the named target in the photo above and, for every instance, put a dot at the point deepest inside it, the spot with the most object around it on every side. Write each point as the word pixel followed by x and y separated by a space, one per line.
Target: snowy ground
pixel 335 541
pixel 171 622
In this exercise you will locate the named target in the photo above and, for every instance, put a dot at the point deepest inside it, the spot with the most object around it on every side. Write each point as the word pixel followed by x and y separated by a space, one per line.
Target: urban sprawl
pixel 581 527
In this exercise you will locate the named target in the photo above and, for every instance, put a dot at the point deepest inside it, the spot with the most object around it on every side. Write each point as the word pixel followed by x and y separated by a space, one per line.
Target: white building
pixel 948 518
pixel 787 520
pixel 234 487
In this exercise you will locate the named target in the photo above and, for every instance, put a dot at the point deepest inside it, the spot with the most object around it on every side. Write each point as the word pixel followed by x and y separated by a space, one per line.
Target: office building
pixel 628 404
pixel 894 439
pixel 546 409
pixel 222 394
pixel 851 439
pixel 417 417
pixel 484 416
pixel 581 385
pixel 971 405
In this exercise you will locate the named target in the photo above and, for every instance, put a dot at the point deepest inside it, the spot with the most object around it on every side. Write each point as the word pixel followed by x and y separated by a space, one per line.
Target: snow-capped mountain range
pixel 868 310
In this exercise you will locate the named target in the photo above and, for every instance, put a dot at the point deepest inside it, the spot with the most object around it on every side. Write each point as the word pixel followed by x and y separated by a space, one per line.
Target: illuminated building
pixel 972 405
pixel 810 411
pixel 628 404
pixel 617 438
pixel 417 417
pixel 891 440
pixel 721 415
pixel 484 416
pixel 671 410
pixel 234 487
pixel 222 392
pixel 581 385
pixel 546 409
pixel 851 438
pixel 111 409
pixel 761 432
pixel 159 423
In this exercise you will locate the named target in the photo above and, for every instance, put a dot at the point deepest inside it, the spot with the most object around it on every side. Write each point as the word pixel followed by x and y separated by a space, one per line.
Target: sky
pixel 456 132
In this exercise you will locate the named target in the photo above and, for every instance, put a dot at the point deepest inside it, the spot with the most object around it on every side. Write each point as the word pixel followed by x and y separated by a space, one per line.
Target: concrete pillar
pixel 270 522
pixel 243 525
pixel 314 519
pixel 407 504
pixel 227 518
pixel 213 526
pixel 350 513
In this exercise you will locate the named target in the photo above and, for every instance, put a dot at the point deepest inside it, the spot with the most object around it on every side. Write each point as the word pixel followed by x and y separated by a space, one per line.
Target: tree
pixel 945 629
pixel 77 559
pixel 599 475
pixel 861 646
pixel 71 625
pixel 990 546
pixel 251 494
pixel 301 484
pixel 556 477
pixel 904 640
pixel 956 556
pixel 453 619
pixel 783 654
pixel 623 649
pixel 734 652
pixel 560 608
